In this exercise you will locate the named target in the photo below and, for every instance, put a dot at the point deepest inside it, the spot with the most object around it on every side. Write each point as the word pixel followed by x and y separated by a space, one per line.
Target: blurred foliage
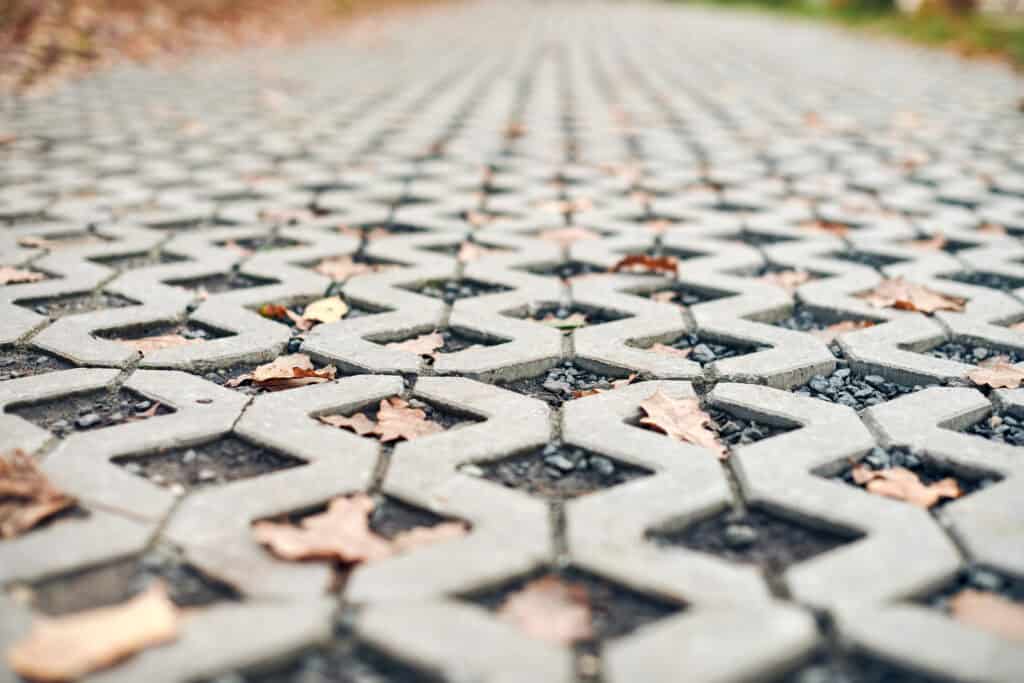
pixel 947 23
pixel 43 41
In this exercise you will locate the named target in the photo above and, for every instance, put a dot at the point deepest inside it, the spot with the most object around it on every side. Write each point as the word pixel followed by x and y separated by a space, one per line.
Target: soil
pixel 759 537
pixel 456 340
pixel 926 469
pixel 561 383
pixel 1001 427
pixel 1004 283
pixel 119 581
pixel 128 262
pixel 566 270
pixel 268 243
pixel 706 351
pixel 758 239
pixel 972 354
pixel 452 290
pixel 865 258
pixel 222 282
pixel 854 668
pixel 558 472
pixel 73 304
pixel 187 329
pixel 87 411
pixel 18 362
pixel 689 296
pixel 391 517
pixel 856 391
pixel 210 464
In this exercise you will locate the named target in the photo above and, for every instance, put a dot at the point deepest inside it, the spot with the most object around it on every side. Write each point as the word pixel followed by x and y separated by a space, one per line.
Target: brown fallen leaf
pixel 936 242
pixel 396 420
pixel 15 276
pixel 358 423
pixel 665 297
pixel 423 345
pixel 26 496
pixel 1018 326
pixel 998 375
pixel 903 484
pixel 158 342
pixel 427 535
pixel 989 612
pixel 70 647
pixel 616 384
pixel 667 350
pixel 341 533
pixel 829 227
pixel 567 236
pixel 237 248
pixel 625 381
pixel 285 372
pixel 829 334
pixel 566 324
pixel 342 268
pixel 907 296
pixel 648 264
pixel 683 420
pixel 515 130
pixel 275 312
pixel 659 226
pixel 550 610
pixel 788 280
pixel 991 229
pixel 470 251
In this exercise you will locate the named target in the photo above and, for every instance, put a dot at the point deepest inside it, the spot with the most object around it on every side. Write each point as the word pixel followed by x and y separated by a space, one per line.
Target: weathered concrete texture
pixel 485 166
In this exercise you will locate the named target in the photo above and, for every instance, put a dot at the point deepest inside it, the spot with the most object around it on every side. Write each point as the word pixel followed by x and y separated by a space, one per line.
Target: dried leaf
pixel 683 420
pixel 15 276
pixel 342 268
pixel 423 345
pixel 667 350
pixel 26 496
pixel 829 227
pixel 903 484
pixel 396 420
pixel 161 341
pixel 648 264
pixel 829 334
pixel 788 280
pixel 907 296
pixel 568 323
pixel 937 242
pixel 275 312
pixel 67 648
pixel 625 381
pixel 358 423
pixel 329 310
pixel 665 297
pixel 567 236
pixel 286 372
pixel 470 251
pixel 989 612
pixel 515 130
pixel 659 226
pixel 998 375
pixel 237 248
pixel 550 610
pixel 991 229
pixel 427 535
pixel 341 533
pixel 1017 326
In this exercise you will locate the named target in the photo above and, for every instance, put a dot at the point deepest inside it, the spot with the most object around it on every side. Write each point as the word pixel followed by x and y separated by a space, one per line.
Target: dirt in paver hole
pixel 705 350
pixel 758 239
pixel 391 517
pixel 973 354
pixel 856 391
pixel 855 668
pixel 869 259
pixel 1005 283
pixel 126 262
pixel 451 291
pixel 460 340
pixel 684 295
pixel 738 431
pixel 222 282
pixel 594 316
pixel 73 304
pixel 979 578
pixel 1001 427
pixel 268 243
pixel 557 471
pixel 116 582
pixel 188 329
pixel 804 319
pixel 17 362
pixel 566 270
pixel 89 410
pixel 767 539
pixel 560 383
pixel 210 464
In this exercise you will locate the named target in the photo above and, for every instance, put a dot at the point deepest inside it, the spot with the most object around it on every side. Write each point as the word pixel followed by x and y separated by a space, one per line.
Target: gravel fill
pixel 759 537
pixel 706 351
pixel 119 581
pixel 267 243
pixel 865 258
pixel 188 329
pixel 757 239
pixel 1004 283
pixel 557 471
pixel 737 431
pixel 16 362
pixel 849 389
pixel 457 340
pixel 209 464
pixel 222 282
pixel 451 291
pixel 979 578
pixel 1001 427
pixel 560 383
pixel 391 517
pixel 972 354
pixel 855 668
pixel 683 295
pixel 87 411
pixel 566 270
pixel 73 304
pixel 594 316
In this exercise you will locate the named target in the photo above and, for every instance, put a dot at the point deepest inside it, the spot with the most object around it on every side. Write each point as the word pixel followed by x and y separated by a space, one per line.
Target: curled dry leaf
pixel 566 324
pixel 907 296
pixel 991 229
pixel 667 350
pixel 285 372
pixel 161 341
pixel 683 420
pixel 936 242
pixel 26 496
pixel 15 276
pixel 788 280
pixel 989 612
pixel 567 236
pixel 342 268
pixel 423 345
pixel 998 375
pixel 648 264
pixel 829 334
pixel 70 647
pixel 550 610
pixel 903 484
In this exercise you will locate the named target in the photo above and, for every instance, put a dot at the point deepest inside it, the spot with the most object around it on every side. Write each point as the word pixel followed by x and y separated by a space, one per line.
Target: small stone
pixel 206 475
pixel 985 580
pixel 979 353
pixel 602 466
pixel 87 421
pixel 472 470
pixel 294 345
pixel 556 387
pixel 141 406
pixel 189 455
pixel 740 536
pixel 702 353
pixel 876 381
pixel 819 384
pixel 560 462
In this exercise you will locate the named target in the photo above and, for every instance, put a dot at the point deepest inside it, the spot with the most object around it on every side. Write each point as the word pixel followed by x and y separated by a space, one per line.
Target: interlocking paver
pixel 488 165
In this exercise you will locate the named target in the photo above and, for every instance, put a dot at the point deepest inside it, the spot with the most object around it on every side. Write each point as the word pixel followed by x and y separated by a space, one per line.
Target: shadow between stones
pixel 74 304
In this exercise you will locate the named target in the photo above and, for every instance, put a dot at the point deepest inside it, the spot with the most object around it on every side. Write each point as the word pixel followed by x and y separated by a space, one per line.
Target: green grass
pixel 971 35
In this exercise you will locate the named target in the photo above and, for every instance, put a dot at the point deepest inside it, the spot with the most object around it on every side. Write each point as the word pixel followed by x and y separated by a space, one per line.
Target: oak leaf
pixel 788 280
pixel 15 276
pixel 829 334
pixel 907 296
pixel 358 423
pixel 70 647
pixel 649 264
pixel 26 496
pixel 396 420
pixel 423 345
pixel 550 610
pixel 829 227
pixel 160 341
pixel 427 535
pixel 989 612
pixel 681 419
pixel 667 350
pixel 998 375
pixel 285 372
pixel 567 236
pixel 903 484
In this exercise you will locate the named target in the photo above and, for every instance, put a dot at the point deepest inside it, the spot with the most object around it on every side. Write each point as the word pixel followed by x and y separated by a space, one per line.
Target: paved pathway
pixel 557 137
